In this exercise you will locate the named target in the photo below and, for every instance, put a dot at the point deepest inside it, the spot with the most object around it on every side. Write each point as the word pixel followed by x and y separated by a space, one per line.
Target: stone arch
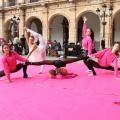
pixel 51 18
pixel 8 30
pixel 115 27
pixel 82 13
pixel 34 23
pixel 62 33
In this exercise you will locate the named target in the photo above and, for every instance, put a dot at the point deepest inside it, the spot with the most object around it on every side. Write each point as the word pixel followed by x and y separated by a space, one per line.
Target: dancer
pixel 87 41
pixel 36 53
pixel 9 62
pixel 59 64
pixel 105 57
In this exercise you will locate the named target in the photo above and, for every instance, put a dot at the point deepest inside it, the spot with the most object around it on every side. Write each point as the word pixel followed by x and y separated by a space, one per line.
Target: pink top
pixel 106 57
pixel 9 62
pixel 86 41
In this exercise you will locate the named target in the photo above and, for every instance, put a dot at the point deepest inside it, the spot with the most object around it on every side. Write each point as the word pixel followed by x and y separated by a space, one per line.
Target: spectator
pixel 15 43
pixel 23 45
pixel 57 46
pixel 10 44
pixel 103 43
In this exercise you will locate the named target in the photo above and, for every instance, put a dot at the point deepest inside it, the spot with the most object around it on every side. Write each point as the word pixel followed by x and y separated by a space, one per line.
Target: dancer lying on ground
pixel 87 41
pixel 9 62
pixel 105 57
pixel 36 53
pixel 60 66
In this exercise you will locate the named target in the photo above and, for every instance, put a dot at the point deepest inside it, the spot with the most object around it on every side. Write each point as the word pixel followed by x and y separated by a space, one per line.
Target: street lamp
pixel 15 21
pixel 104 15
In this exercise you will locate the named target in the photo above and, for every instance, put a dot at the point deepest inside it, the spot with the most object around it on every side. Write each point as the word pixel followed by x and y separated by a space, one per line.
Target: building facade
pixel 60 20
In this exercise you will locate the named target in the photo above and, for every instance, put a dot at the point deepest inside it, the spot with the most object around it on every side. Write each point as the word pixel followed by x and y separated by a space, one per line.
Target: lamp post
pixel 15 21
pixel 104 15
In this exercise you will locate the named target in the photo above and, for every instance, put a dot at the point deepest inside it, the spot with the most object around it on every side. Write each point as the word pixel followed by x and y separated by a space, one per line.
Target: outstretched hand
pixel 25 28
pixel 84 19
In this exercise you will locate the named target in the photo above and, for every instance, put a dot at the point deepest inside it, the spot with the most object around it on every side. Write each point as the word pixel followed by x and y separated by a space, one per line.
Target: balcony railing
pixel 33 1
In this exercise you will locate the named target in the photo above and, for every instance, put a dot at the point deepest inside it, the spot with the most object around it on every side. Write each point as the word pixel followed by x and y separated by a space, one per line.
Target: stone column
pixel 2 24
pixel 46 27
pixel 1 2
pixel 72 26
pixel 107 33
pixel 21 25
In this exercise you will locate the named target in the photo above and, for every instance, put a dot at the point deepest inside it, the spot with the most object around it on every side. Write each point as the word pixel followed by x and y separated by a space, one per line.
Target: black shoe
pixel 28 63
pixel 26 76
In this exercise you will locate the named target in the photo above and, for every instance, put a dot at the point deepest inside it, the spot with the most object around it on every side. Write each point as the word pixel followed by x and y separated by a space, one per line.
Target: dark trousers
pixel 85 60
pixel 18 67
pixel 16 48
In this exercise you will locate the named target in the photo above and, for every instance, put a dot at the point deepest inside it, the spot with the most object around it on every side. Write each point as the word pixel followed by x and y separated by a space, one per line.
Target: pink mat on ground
pixel 41 98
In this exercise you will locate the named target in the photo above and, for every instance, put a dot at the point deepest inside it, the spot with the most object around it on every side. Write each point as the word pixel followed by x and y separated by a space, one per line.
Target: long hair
pixel 59 71
pixel 8 46
pixel 117 53
pixel 52 72
pixel 92 34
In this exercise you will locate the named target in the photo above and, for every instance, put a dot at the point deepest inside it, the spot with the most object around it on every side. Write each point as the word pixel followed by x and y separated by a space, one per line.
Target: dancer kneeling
pixel 60 71
pixel 105 57
pixel 9 62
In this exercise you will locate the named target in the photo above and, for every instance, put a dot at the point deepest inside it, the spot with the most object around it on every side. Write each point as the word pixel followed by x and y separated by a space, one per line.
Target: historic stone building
pixel 60 19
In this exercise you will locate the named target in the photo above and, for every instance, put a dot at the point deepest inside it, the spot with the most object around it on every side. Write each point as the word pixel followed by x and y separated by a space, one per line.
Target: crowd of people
pixel 37 56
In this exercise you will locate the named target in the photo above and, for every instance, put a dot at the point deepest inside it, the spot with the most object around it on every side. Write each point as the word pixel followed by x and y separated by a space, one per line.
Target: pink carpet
pixel 41 98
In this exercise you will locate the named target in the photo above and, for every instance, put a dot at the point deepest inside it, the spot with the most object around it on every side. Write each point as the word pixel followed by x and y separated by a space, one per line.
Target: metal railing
pixel 33 1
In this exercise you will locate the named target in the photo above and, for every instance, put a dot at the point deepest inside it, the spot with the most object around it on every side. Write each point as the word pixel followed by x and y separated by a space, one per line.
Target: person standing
pixel 15 44
pixel 103 43
pixel 36 53
pixel 23 45
pixel 87 41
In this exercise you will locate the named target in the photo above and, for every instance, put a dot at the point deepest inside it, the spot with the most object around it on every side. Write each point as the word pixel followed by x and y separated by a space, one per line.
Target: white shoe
pixel 38 72
pixel 91 74
pixel 88 71
pixel 29 76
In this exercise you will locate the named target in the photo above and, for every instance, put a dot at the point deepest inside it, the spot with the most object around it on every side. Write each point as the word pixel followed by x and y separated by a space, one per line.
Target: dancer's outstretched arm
pixel 39 36
pixel 26 36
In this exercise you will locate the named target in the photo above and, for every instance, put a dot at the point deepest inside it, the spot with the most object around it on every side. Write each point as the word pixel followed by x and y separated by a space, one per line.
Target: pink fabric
pixel 42 98
pixel 9 62
pixel 87 42
pixel 105 58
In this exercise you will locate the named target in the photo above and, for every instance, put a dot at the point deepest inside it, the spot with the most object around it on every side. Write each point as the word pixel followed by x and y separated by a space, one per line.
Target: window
pixel 11 2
